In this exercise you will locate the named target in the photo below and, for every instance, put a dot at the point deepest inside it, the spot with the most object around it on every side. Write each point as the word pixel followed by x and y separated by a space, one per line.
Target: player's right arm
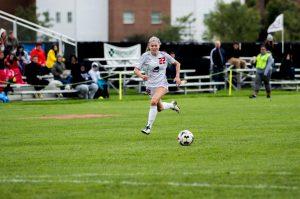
pixel 137 69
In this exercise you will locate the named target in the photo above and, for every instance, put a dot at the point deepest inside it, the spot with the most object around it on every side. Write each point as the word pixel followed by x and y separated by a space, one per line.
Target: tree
pixel 29 13
pixel 291 12
pixel 232 22
pixel 175 33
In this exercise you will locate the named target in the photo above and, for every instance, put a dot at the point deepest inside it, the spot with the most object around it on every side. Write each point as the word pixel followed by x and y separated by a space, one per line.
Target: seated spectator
pixel 12 42
pixel 23 58
pixel 59 71
pixel 3 40
pixel 32 73
pixel 2 71
pixel 51 56
pixel 235 57
pixel 12 63
pixel 102 85
pixel 40 53
pixel 74 62
pixel 83 83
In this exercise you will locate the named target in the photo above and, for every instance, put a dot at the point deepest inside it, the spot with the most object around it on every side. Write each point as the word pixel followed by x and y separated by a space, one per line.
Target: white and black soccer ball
pixel 185 138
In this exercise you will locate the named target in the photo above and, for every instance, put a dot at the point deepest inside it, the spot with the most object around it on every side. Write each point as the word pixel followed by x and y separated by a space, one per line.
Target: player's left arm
pixel 177 77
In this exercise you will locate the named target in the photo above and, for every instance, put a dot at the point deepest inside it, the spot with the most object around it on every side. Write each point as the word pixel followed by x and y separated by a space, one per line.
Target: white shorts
pixel 151 90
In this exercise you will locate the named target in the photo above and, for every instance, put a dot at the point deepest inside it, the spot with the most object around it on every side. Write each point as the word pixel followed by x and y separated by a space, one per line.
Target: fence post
pixel 120 86
pixel 230 82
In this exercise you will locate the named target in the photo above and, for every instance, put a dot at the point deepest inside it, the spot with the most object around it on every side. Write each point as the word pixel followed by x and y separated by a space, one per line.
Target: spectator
pixel 171 73
pixel 39 53
pixel 235 57
pixel 2 69
pixel 74 62
pixel 96 77
pixel 12 63
pixel 12 42
pixel 32 73
pixel 217 62
pixel 3 40
pixel 287 70
pixel 269 43
pixel 59 71
pixel 83 83
pixel 264 63
pixel 23 58
pixel 51 56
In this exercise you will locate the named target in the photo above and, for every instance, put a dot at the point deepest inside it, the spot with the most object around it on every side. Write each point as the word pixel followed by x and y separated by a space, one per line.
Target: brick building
pixel 145 17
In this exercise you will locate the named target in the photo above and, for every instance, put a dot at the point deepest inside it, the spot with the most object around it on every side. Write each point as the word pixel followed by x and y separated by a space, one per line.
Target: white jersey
pixel 155 68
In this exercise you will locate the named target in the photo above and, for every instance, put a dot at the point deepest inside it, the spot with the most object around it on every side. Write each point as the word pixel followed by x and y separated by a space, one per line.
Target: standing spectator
pixel 264 63
pixel 32 73
pixel 12 42
pixel 23 58
pixel 217 62
pixel 269 43
pixel 83 83
pixel 235 57
pixel 12 63
pixel 3 40
pixel 51 56
pixel 59 71
pixel 96 77
pixel 287 70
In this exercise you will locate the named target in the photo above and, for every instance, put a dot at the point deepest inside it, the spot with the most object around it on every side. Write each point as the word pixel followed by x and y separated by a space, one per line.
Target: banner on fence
pixel 130 54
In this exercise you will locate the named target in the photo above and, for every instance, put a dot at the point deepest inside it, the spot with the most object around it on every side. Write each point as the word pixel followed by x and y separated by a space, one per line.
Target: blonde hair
pixel 153 39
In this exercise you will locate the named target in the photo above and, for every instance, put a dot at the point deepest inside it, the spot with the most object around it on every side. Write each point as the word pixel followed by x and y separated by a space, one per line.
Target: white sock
pixel 152 115
pixel 167 105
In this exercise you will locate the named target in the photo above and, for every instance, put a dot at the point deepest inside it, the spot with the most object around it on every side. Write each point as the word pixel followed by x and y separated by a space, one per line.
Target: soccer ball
pixel 185 138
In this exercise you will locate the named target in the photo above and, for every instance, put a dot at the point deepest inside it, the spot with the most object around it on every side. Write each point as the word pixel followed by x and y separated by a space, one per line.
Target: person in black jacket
pixel 217 62
pixel 32 71
pixel 83 82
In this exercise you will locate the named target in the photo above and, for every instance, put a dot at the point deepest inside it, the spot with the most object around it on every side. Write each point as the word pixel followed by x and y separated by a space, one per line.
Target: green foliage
pixel 175 33
pixel 291 11
pixel 232 22
pixel 29 13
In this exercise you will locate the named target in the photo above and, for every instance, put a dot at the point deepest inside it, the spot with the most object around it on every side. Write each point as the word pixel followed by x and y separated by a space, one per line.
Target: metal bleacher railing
pixel 40 29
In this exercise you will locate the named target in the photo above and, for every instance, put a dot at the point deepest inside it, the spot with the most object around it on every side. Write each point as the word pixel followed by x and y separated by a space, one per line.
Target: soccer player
pixel 154 63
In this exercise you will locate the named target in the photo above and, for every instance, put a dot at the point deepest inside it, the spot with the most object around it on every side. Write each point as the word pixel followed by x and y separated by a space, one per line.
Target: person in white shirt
pixel 94 72
pixel 154 64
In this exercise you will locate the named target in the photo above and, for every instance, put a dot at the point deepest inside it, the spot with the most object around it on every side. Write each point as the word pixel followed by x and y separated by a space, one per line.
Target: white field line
pixel 136 183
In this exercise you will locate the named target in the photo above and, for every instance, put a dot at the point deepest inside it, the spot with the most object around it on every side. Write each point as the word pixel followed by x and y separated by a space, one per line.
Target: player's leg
pixel 156 96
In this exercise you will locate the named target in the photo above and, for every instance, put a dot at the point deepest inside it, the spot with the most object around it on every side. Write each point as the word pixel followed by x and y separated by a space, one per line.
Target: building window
pixel 69 16
pixel 128 17
pixel 58 17
pixel 156 18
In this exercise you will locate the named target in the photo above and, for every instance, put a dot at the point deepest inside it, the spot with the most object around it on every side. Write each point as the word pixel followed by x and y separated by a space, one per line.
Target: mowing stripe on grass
pixel 138 183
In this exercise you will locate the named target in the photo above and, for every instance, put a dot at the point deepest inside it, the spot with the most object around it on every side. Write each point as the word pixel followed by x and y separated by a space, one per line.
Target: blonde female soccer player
pixel 154 63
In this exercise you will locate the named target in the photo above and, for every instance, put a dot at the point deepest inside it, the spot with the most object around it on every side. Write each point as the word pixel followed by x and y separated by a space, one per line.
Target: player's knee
pixel 154 102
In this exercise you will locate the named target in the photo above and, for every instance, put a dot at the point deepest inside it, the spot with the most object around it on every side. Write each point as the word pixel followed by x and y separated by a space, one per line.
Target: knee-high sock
pixel 167 105
pixel 152 115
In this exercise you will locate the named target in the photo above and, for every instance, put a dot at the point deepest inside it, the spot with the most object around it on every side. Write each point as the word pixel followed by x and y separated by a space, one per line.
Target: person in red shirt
pixel 39 53
pixel 12 63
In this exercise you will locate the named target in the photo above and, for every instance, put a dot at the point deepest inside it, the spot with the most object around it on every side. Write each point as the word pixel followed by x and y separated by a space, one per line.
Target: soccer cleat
pixel 252 96
pixel 146 130
pixel 175 107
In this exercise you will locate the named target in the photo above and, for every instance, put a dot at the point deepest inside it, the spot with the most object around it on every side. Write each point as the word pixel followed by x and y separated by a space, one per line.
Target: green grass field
pixel 243 148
